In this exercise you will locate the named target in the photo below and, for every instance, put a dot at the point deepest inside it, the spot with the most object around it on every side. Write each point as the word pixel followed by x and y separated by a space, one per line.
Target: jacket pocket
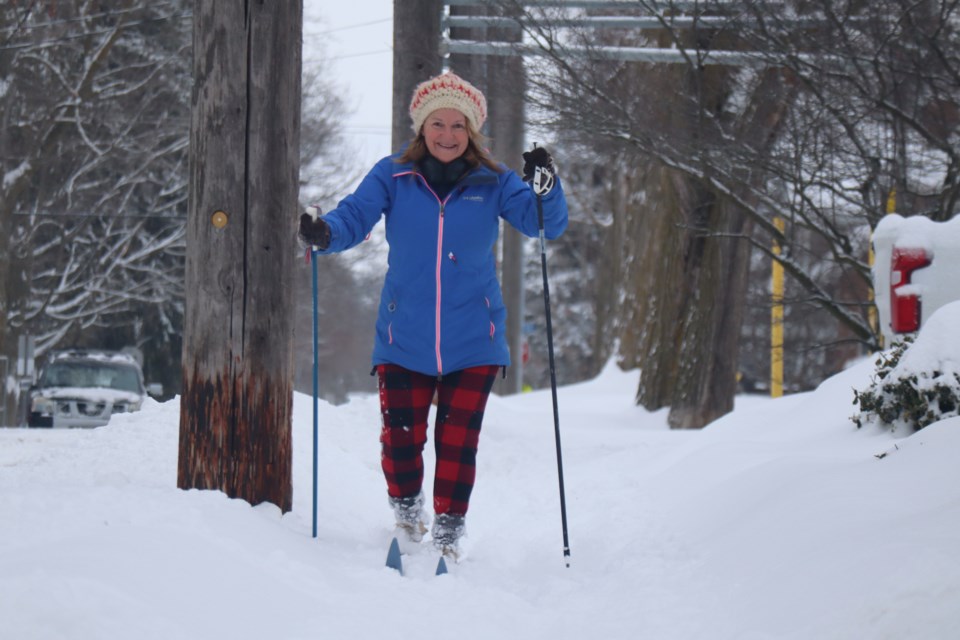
pixel 405 315
pixel 387 316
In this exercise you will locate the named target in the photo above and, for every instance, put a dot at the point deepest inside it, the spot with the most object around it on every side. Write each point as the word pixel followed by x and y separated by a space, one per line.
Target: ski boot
pixel 448 528
pixel 411 520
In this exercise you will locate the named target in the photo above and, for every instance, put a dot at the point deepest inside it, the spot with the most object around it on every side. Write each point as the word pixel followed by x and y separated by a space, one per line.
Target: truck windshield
pixel 91 374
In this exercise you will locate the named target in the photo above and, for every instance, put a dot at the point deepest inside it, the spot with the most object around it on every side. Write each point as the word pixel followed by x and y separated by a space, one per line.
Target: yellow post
pixel 872 314
pixel 776 320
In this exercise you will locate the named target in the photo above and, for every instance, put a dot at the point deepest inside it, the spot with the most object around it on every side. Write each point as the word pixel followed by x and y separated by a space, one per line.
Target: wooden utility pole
pixel 237 362
pixel 503 82
pixel 506 89
pixel 416 57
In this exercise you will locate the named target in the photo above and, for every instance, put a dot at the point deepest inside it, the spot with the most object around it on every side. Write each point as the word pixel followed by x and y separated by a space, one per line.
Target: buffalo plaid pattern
pixel 405 399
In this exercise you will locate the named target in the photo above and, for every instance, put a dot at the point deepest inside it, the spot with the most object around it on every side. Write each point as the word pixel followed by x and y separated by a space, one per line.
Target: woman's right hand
pixel 314 231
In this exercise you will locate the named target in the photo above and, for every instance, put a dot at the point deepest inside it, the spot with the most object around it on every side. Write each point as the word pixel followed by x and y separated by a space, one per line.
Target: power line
pixel 366 128
pixel 358 55
pixel 352 26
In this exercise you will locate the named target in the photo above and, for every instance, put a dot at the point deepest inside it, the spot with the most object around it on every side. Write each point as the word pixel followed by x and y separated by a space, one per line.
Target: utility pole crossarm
pixel 630 54
pixel 681 6
pixel 604 22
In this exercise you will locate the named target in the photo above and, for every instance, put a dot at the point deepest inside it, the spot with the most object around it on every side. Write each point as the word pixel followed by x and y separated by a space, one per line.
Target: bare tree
pixel 824 115
pixel 93 139
pixel 94 128
pixel 686 306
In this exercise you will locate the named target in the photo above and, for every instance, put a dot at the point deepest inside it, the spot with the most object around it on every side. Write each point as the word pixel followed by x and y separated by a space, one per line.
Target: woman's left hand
pixel 537 157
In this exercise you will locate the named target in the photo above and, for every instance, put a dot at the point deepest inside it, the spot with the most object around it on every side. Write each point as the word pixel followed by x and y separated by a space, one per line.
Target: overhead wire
pixel 348 27
pixel 351 26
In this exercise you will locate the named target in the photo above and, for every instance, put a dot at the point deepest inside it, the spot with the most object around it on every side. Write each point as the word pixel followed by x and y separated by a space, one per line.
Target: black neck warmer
pixel 442 176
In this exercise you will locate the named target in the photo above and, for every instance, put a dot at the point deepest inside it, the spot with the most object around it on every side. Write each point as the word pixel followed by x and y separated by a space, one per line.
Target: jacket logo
pixel 473 198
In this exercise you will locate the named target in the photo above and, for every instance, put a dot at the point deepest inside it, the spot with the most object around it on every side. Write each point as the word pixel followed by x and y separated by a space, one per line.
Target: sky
pixel 781 520
pixel 356 37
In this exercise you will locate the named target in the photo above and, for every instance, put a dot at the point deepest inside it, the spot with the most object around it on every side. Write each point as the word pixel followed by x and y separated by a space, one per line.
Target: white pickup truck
pixel 83 388
pixel 916 271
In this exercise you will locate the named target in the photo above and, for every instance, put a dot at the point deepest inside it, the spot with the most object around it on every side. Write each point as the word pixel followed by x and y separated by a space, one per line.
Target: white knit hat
pixel 447 91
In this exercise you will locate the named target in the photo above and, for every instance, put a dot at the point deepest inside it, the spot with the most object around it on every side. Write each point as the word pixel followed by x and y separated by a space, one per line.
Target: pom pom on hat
pixel 447 91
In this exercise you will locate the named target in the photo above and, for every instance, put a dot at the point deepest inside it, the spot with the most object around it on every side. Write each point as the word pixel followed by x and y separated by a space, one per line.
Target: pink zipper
pixel 443 203
pixel 439 265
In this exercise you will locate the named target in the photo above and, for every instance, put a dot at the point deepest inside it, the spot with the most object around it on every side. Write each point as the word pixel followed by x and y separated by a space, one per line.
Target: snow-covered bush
pixel 917 382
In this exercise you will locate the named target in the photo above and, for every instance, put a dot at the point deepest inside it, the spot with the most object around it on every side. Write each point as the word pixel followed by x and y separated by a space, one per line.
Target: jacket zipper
pixel 443 204
pixel 439 265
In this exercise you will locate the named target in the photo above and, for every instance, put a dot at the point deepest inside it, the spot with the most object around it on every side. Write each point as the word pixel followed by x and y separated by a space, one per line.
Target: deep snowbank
pixel 781 520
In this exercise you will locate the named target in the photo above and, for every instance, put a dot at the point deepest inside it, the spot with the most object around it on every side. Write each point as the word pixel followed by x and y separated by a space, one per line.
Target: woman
pixel 440 326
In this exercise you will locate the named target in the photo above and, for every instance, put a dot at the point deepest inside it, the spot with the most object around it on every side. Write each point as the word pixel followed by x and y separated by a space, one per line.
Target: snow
pixel 936 349
pixel 781 520
pixel 101 356
pixel 92 394
pixel 12 176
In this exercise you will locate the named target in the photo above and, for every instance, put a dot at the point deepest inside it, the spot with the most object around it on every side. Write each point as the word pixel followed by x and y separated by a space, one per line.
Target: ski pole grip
pixel 314 212
pixel 542 181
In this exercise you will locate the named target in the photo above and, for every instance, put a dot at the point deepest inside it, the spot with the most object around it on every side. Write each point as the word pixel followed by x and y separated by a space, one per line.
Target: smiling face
pixel 445 133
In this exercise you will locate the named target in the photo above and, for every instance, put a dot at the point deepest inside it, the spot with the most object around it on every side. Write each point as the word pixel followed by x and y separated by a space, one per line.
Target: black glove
pixel 314 231
pixel 537 157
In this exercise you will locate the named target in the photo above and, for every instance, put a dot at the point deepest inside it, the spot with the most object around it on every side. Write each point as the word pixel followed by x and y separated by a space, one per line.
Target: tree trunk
pixel 714 294
pixel 235 432
pixel 691 278
pixel 716 259
pixel 655 281
pixel 689 284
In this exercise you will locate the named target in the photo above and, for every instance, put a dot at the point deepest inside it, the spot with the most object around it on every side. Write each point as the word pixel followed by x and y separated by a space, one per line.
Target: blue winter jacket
pixel 441 309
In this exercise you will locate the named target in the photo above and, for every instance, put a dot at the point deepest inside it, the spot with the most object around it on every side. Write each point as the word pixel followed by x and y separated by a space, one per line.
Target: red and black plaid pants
pixel 405 399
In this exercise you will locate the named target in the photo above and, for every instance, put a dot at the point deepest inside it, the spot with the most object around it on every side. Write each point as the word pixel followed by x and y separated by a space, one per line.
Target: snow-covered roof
pixel 94 354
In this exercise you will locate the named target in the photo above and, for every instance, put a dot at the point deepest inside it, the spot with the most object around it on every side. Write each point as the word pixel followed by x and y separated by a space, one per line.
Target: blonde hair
pixel 475 155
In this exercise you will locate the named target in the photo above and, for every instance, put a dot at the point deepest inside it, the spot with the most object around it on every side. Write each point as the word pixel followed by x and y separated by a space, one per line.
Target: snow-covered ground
pixel 781 520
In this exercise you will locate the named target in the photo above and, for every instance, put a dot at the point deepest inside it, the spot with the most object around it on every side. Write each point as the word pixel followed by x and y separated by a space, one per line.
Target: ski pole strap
pixel 542 181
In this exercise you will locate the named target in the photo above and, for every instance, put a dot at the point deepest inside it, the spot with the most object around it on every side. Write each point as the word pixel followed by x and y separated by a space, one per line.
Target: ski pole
pixel 313 265
pixel 313 211
pixel 542 183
